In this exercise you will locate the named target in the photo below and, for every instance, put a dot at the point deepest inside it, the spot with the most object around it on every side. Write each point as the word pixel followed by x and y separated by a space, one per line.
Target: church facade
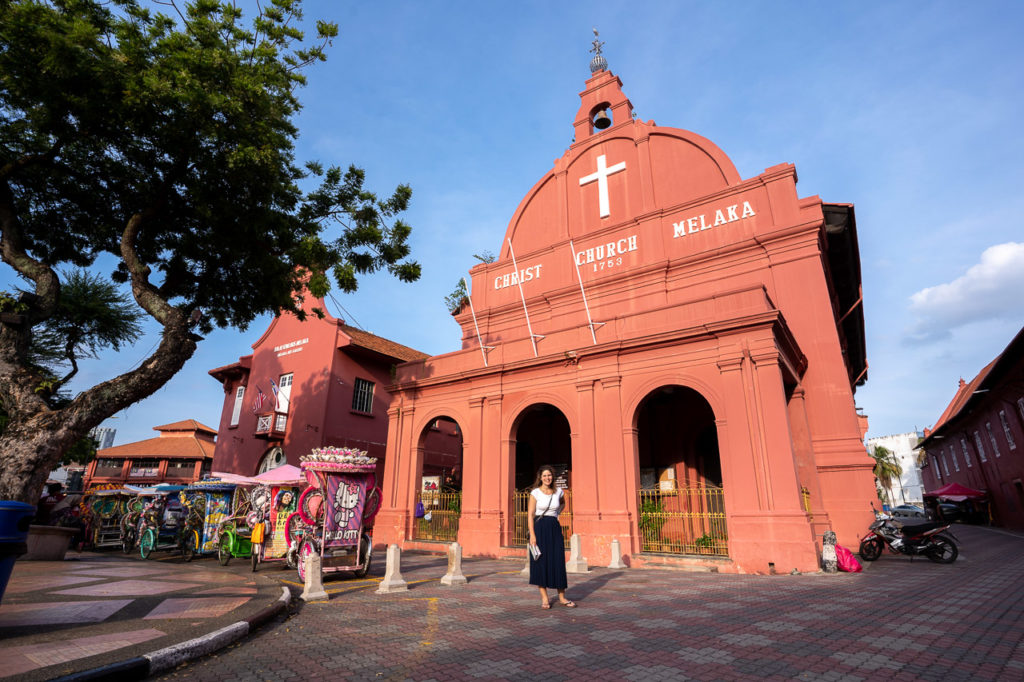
pixel 683 345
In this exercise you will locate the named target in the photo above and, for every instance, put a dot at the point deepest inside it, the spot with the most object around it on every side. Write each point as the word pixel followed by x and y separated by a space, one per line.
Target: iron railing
pixel 683 521
pixel 521 528
pixel 440 520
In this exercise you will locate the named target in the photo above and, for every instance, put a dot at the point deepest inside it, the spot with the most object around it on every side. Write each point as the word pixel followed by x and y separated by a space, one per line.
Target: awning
pixel 956 493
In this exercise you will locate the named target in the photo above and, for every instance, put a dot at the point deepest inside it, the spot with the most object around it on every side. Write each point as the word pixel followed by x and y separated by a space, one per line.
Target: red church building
pixel 310 384
pixel 681 343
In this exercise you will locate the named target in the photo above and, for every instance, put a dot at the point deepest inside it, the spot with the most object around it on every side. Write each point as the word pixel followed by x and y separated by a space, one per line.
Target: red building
pixel 978 440
pixel 681 343
pixel 310 384
pixel 182 453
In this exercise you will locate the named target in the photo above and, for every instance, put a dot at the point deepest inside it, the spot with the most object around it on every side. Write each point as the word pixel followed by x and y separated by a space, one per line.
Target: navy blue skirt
pixel 549 569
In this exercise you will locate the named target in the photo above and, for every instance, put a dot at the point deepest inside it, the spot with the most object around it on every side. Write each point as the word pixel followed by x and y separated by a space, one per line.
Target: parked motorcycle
pixel 931 540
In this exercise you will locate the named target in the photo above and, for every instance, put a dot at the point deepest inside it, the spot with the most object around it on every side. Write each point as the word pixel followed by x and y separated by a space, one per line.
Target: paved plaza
pixel 899 619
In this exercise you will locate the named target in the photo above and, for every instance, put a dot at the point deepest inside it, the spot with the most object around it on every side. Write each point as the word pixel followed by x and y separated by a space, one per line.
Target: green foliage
pixel 887 468
pixel 92 314
pixel 455 300
pixel 111 112
pixel 652 518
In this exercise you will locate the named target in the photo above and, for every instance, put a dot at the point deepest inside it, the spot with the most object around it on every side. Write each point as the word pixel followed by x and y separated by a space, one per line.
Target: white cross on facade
pixel 602 182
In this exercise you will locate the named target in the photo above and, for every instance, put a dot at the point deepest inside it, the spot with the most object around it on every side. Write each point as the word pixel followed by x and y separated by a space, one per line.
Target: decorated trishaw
pixel 274 501
pixel 238 531
pixel 102 511
pixel 334 510
pixel 161 521
pixel 166 516
pixel 208 504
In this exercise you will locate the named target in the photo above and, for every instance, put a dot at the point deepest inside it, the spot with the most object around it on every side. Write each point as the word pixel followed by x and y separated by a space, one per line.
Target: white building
pixel 909 489
pixel 104 437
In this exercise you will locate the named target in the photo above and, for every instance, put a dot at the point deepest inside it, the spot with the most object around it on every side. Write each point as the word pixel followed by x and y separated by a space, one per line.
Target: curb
pixel 141 667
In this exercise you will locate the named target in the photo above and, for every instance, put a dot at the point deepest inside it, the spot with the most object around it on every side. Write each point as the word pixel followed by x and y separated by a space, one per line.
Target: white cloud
pixel 991 289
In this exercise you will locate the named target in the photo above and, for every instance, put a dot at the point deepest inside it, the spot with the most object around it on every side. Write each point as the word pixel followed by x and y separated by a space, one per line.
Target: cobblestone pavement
pixel 899 619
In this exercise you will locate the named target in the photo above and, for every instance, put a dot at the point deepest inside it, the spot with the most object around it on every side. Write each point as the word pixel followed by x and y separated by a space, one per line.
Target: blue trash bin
pixel 15 518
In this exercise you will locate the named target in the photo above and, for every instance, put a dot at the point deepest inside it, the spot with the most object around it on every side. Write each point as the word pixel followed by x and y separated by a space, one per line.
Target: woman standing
pixel 547 567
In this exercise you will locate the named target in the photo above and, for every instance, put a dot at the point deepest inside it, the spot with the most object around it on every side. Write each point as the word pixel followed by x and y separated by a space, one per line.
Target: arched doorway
pixel 681 500
pixel 542 436
pixel 439 495
pixel 272 458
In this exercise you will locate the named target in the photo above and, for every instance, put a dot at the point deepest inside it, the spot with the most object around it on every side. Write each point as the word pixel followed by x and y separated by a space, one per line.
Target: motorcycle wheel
pixel 942 550
pixel 871 549
pixel 224 550
pixel 147 543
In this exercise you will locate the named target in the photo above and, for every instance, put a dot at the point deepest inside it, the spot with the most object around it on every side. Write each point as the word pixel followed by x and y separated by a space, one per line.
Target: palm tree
pixel 887 467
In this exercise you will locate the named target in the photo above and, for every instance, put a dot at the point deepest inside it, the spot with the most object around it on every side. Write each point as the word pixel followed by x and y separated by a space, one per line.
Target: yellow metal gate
pixel 440 520
pixel 684 521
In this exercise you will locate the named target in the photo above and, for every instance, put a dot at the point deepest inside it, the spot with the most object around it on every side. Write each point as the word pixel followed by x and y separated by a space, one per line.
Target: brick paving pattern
pixel 899 619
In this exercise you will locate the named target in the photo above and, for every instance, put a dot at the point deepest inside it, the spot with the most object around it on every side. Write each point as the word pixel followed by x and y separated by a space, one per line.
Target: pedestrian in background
pixel 547 546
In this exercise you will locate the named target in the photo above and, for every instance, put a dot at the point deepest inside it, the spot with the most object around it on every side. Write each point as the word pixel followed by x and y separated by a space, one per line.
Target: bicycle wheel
pixel 190 546
pixel 366 555
pixel 307 548
pixel 128 540
pixel 147 543
pixel 224 549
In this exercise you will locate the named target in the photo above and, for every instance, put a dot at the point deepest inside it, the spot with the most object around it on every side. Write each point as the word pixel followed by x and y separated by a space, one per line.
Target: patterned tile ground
pixel 240 589
pixel 58 613
pixel 129 588
pixel 31 583
pixel 122 571
pixel 197 607
pixel 22 659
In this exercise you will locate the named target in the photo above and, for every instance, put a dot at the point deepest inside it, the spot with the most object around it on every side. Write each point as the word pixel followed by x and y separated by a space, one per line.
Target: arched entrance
pixel 542 436
pixel 272 458
pixel 681 500
pixel 439 495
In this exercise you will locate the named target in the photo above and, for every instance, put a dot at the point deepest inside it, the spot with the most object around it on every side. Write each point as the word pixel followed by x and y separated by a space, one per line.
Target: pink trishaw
pixel 335 510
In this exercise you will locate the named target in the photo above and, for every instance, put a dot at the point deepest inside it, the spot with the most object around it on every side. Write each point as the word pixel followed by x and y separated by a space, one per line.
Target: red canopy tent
pixel 955 492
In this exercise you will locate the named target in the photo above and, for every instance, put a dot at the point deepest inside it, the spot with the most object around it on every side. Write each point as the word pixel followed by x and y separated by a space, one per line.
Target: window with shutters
pixel 284 393
pixel 992 439
pixel 236 411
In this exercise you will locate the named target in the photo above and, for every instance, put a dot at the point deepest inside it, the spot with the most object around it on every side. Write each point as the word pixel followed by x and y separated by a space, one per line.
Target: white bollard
pixel 314 584
pixel 576 562
pixel 828 552
pixel 393 581
pixel 526 568
pixel 454 575
pixel 616 556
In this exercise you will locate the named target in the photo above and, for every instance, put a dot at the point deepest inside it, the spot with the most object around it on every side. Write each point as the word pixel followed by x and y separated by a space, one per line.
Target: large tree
pixel 162 144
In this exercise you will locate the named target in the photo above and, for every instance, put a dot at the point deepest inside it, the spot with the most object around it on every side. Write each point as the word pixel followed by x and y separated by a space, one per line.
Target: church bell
pixel 602 120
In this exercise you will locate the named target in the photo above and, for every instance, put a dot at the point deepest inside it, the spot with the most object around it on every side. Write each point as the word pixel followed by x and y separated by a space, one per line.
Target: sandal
pixel 546 605
pixel 568 604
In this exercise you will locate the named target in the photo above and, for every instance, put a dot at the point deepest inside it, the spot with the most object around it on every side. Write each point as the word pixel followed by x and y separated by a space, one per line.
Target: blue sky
pixel 910 111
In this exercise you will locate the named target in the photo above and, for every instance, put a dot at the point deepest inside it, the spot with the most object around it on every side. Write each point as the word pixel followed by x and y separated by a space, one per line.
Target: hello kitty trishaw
pixel 335 510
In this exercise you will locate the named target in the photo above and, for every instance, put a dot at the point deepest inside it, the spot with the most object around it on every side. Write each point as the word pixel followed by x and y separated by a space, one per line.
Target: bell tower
pixel 603 105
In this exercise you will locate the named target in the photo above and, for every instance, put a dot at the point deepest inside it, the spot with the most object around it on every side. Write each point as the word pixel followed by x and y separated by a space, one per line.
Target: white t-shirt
pixel 547 505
